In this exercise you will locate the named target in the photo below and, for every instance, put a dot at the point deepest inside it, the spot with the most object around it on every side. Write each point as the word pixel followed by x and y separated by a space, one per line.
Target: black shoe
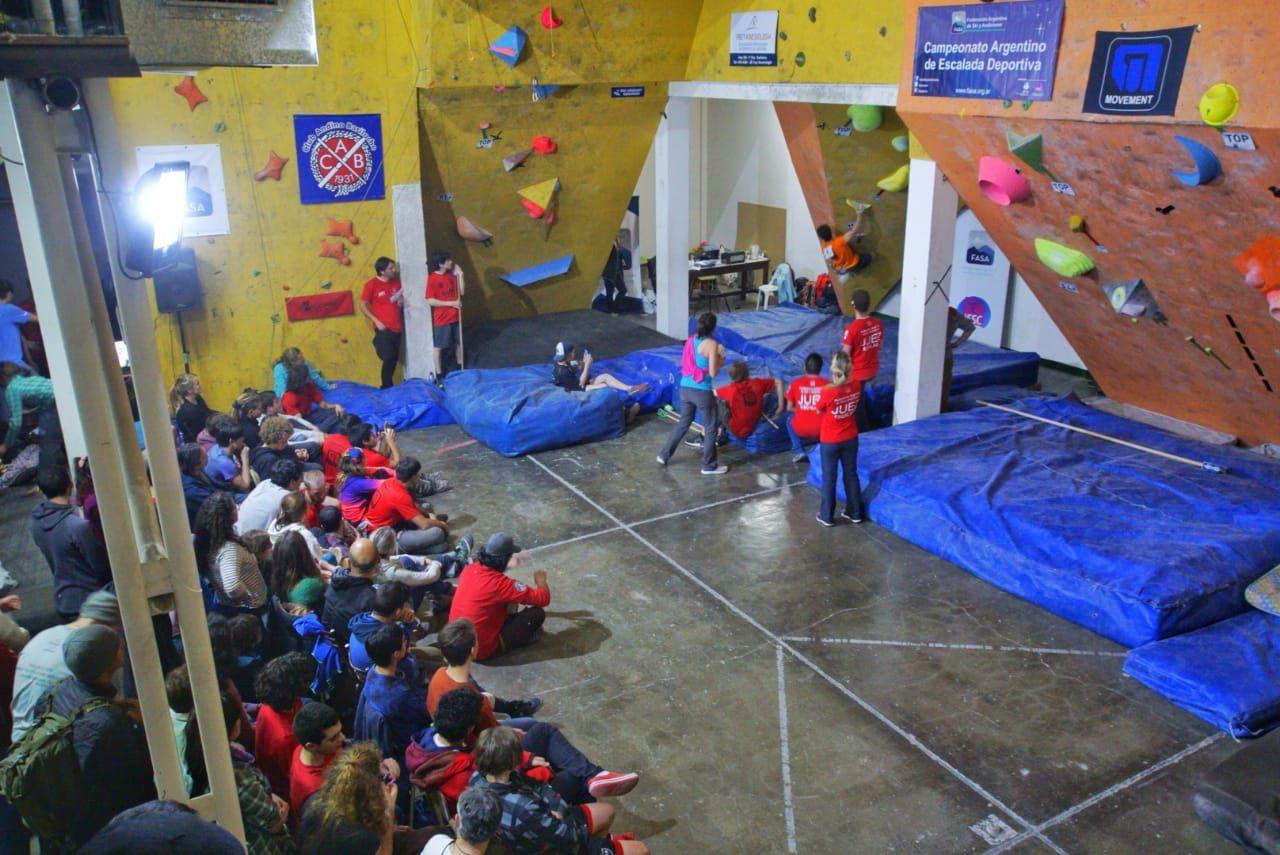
pixel 694 442
pixel 851 518
pixel 518 709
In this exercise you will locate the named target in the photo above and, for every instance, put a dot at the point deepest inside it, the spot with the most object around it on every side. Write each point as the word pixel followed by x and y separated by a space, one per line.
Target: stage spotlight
pixel 159 208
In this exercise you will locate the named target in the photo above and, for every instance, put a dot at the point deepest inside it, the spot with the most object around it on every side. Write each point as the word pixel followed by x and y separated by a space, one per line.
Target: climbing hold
pixel 344 340
pixel 1275 191
pixel 548 18
pixel 484 130
pixel 1219 104
pixel 539 199
pixel 1208 167
pixel 1166 210
pixel 257 273
pixel 1030 150
pixel 900 143
pixel 1026 105
pixel 1132 299
pixel 897 181
pixel 468 230
pixel 219 127
pixel 800 60
pixel 1006 103
pixel 1260 264
pixel 512 161
pixel 538 272
pixel 1001 182
pixel 884 31
pixel 509 46
pixel 343 229
pixel 540 91
pixel 275 165
pixel 335 250
pixel 1078 225
pixel 326 285
pixel 865 117
pixel 813 14
pixel 285 288
pixel 1062 260
pixel 189 90
pixel 858 207
pixel 543 145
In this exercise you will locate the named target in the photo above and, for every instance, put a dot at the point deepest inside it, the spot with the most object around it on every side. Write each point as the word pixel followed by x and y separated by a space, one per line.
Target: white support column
pixel 672 179
pixel 930 233
pixel 411 255
pixel 148 539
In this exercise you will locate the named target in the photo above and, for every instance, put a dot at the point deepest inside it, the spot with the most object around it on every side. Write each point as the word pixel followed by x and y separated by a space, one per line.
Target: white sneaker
pixel 661 461
pixel 719 470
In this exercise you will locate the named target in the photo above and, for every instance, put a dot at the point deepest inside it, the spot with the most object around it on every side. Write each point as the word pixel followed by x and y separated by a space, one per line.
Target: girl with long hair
pixel 357 796
pixel 190 412
pixel 295 575
pixel 221 557
pixel 280 371
pixel 702 359
pixel 355 485
pixel 838 441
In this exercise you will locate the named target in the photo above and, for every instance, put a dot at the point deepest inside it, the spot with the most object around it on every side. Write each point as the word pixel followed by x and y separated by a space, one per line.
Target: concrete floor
pixel 785 687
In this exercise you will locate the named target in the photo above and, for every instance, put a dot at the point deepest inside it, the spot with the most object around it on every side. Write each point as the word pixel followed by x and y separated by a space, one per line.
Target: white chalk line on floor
pixel 784 741
pixel 941 645
pixel 1103 795
pixel 910 738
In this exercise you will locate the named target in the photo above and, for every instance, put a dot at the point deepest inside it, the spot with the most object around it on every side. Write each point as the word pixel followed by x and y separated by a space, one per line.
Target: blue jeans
pixel 845 456
pixel 702 402
pixel 797 441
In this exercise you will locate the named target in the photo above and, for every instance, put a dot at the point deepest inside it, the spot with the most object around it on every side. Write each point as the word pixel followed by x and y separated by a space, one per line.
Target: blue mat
pixel 1228 673
pixel 412 404
pixel 518 411
pixel 788 333
pixel 1125 543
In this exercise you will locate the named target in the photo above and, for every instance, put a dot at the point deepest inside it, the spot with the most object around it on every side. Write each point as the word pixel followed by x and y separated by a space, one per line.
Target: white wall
pixel 746 160
pixel 1029 327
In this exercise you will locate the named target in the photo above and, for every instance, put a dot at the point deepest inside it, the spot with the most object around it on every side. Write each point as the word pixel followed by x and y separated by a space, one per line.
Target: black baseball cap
pixel 502 544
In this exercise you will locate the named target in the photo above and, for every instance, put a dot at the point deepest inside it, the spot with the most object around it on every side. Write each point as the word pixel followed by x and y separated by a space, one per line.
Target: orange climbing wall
pixel 1121 174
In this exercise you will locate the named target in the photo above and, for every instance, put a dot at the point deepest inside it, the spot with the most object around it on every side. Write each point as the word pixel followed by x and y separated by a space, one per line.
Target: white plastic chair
pixel 763 293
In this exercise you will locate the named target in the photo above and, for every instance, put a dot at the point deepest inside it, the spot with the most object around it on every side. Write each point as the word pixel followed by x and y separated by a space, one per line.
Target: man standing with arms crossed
pixel 445 285
pixel 382 303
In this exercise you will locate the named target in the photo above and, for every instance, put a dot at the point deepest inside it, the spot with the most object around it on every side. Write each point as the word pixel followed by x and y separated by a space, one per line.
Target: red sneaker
pixel 608 784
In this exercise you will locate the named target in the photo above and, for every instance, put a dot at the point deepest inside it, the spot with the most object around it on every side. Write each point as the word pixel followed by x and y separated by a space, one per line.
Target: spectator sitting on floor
pixel 476 823
pixel 351 589
pixel 41 663
pixel 280 372
pixel 262 505
pixel 190 412
pixel 276 432
pixel 281 685
pixel 296 577
pixel 292 518
pixel 303 398
pixel 356 484
pixel 535 818
pixel 338 533
pixel 247 634
pixel 222 559
pixel 489 599
pixel 23 393
pixel 247 410
pixel 110 746
pixel 205 439
pixel 574 376
pixel 441 757
pixel 392 708
pixel 392 504
pixel 746 398
pixel 391 607
pixel 802 401
pixel 317 495
pixel 229 458
pixel 457 641
pixel 354 812
pixel 196 483
pixel 75 554
pixel 227 666
pixel 182 707
pixel 420 571
pixel 317 730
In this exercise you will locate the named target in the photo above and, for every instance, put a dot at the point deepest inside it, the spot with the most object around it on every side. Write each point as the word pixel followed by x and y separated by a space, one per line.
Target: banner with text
pixel 753 38
pixel 1006 50
pixel 206 191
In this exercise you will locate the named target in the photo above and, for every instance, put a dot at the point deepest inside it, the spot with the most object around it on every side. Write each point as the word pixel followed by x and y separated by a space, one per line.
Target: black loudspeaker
pixel 178 284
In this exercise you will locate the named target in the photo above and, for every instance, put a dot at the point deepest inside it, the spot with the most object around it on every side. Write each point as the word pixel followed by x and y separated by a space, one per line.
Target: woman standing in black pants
pixel 703 357
pixel 838 438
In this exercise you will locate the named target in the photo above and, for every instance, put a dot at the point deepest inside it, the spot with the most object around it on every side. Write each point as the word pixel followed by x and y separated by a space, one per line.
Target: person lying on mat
pixel 574 376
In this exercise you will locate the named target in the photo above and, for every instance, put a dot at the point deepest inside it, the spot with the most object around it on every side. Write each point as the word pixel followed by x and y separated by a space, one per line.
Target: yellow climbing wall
pixel 840 43
pixel 367 65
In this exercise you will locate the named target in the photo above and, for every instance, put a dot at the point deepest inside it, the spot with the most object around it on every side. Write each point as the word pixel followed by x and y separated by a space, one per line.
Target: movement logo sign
pixel 1137 73
pixel 339 158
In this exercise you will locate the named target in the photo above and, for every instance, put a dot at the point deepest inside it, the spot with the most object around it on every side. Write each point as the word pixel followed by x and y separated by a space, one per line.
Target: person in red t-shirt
pixel 802 402
pixel 445 286
pixel 392 504
pixel 318 732
pixel 745 397
pixel 862 340
pixel 838 436
pixel 303 398
pixel 359 434
pixel 487 598
pixel 279 686
pixel 381 302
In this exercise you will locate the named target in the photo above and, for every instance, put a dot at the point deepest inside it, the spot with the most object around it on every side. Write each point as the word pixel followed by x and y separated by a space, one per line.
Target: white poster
pixel 979 279
pixel 753 38
pixel 206 192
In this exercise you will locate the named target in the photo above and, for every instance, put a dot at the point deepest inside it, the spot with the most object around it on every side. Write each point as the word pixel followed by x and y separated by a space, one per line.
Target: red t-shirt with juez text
pixel 838 405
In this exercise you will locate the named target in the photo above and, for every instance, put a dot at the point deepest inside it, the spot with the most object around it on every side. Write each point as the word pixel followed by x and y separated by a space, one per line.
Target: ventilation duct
pixel 188 34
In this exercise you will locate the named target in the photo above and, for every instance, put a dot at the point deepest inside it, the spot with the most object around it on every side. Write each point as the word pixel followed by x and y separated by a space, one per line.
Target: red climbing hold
pixel 189 90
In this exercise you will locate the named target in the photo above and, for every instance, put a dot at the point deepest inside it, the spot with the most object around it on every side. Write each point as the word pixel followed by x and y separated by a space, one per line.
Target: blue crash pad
pixel 1130 545
pixel 791 332
pixel 412 404
pixel 1228 673
pixel 518 411
pixel 538 272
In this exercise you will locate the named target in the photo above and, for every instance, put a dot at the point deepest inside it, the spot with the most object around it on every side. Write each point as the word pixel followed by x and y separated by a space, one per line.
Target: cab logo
pixel 339 157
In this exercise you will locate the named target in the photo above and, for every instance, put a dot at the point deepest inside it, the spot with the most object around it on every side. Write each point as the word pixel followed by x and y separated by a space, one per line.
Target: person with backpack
pixel 86 759
pixel 702 359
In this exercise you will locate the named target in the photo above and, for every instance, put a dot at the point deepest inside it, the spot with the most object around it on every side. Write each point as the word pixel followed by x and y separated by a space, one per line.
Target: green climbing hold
pixel 219 127
pixel 326 285
pixel 1026 105
pixel 1006 103
pixel 1062 260
pixel 865 117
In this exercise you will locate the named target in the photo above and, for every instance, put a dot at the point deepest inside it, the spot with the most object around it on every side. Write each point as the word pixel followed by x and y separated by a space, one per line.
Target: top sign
pixel 753 38
pixel 1004 50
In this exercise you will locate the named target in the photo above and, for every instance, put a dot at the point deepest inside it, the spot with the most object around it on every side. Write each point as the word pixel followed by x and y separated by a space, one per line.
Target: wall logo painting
pixel 1137 73
pixel 339 158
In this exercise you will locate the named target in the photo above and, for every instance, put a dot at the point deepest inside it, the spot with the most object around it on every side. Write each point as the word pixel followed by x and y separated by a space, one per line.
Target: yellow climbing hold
pixel 1219 104
pixel 897 182
pixel 542 193
pixel 1062 260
